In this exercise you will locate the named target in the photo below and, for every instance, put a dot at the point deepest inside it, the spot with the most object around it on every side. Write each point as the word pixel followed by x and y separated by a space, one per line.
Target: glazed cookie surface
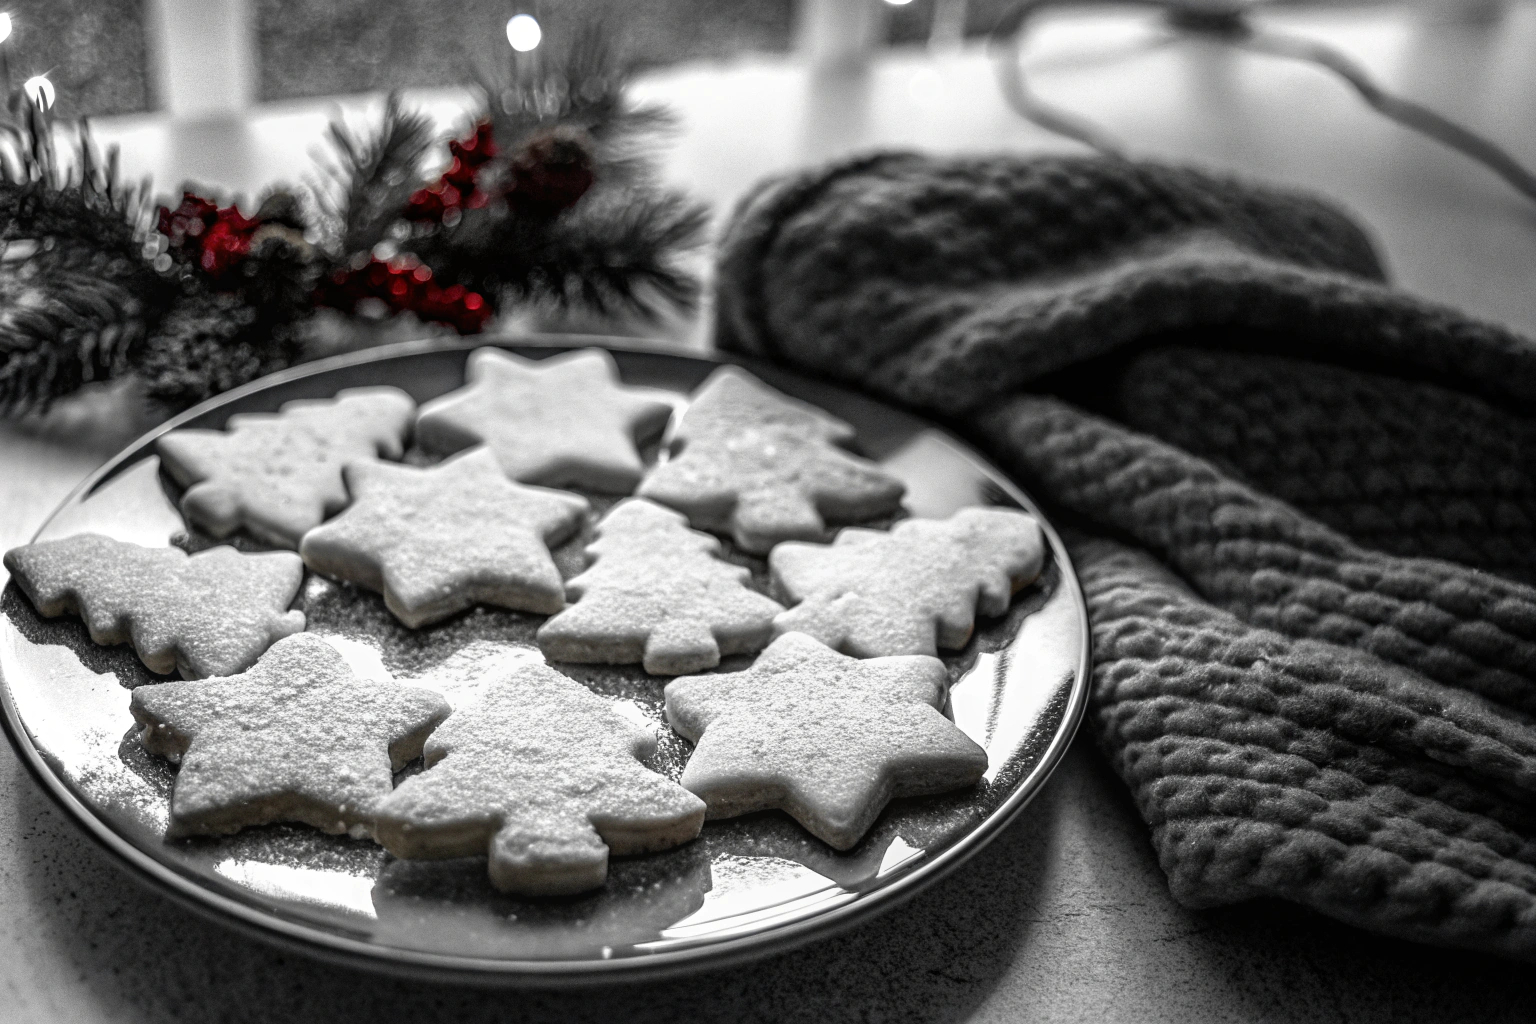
pixel 208 614
pixel 827 738
pixel 279 475
pixel 543 776
pixel 562 421
pixel 438 540
pixel 657 593
pixel 760 467
pixel 296 738
pixel 912 590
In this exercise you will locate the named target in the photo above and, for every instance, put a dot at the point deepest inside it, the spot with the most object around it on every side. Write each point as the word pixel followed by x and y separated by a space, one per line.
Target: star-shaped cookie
pixel 564 421
pixel 657 593
pixel 912 590
pixel 436 541
pixel 828 738
pixel 296 738
pixel 208 614
pixel 761 467
pixel 279 475
pixel 543 776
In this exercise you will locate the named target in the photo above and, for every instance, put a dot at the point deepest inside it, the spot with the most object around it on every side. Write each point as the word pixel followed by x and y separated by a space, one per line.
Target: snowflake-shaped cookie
pixel 436 541
pixel 544 776
pixel 564 421
pixel 279 475
pixel 657 593
pixel 761 468
pixel 208 614
pixel 912 590
pixel 827 738
pixel 296 738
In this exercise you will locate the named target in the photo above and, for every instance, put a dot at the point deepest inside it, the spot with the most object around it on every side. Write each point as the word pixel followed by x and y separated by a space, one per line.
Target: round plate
pixel 746 887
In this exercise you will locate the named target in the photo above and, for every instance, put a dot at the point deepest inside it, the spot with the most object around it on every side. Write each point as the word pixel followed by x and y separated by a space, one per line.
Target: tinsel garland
pixel 545 197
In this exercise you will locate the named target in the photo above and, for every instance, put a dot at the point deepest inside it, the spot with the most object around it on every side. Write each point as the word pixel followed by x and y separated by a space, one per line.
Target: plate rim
pixel 316 941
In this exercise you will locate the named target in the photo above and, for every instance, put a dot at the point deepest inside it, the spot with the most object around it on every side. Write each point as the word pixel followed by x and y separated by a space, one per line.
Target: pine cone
pixel 210 342
pixel 551 171
pixel 279 273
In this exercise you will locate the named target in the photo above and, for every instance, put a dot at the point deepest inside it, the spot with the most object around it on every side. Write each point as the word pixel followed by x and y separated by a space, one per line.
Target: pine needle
pixel 76 296
pixel 583 86
pixel 620 249
pixel 373 174
pixel 68 315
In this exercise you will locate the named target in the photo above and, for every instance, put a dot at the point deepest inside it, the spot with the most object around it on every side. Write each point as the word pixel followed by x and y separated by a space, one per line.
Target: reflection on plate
pixel 747 886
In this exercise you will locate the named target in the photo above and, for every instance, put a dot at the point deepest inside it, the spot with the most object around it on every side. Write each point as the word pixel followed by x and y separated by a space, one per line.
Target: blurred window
pixel 317 47
pixel 91 50
pixel 95 51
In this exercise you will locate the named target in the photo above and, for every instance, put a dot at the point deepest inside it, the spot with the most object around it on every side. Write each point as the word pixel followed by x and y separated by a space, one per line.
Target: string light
pixel 523 32
pixel 39 91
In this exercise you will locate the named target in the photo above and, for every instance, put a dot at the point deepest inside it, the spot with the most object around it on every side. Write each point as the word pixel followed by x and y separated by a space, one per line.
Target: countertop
pixel 1067 915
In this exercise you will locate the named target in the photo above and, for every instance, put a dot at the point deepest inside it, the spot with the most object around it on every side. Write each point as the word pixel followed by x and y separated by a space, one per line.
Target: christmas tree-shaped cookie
pixel 543 776
pixel 279 475
pixel 760 467
pixel 564 421
pixel 912 590
pixel 436 541
pixel 208 614
pixel 296 738
pixel 657 593
pixel 827 738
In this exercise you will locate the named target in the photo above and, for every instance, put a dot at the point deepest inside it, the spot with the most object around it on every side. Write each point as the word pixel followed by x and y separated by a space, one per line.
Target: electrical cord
pixel 1228 21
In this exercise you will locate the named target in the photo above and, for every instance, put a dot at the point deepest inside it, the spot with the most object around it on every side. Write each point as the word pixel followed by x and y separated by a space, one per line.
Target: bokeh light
pixel 523 32
pixel 39 91
pixel 5 27
pixel 926 87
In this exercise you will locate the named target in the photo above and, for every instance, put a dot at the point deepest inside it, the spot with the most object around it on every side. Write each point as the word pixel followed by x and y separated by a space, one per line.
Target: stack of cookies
pixel 839 712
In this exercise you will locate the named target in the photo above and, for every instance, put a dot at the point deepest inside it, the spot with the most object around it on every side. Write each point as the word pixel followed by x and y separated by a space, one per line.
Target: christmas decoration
pixel 456 188
pixel 545 197
pixel 404 284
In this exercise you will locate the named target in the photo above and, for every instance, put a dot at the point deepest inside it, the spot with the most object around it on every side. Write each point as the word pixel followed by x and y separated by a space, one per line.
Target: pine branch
pixel 87 204
pixel 101 184
pixel 76 293
pixel 617 249
pixel 373 175
pixel 582 86
pixel 596 79
pixel 623 249
pixel 68 315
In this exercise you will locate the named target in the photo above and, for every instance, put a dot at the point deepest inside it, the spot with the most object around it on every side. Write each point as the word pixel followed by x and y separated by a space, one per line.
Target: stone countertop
pixel 1066 916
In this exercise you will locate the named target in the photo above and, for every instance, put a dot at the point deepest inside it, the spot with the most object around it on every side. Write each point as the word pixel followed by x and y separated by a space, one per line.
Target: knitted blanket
pixel 1302 504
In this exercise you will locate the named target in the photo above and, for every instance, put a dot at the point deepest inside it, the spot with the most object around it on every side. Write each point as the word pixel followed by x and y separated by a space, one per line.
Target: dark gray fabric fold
pixel 1305 501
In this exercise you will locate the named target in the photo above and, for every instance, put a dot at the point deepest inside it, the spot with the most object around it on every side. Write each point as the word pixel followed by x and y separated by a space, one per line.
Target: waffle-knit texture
pixel 1303 502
